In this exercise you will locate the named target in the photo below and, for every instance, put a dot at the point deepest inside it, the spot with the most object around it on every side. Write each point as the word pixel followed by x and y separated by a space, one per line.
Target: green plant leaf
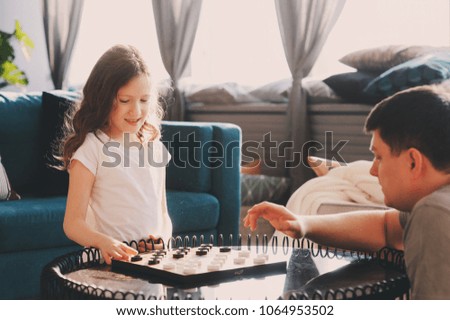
pixel 6 49
pixel 26 44
pixel 23 37
pixel 12 75
pixel 9 72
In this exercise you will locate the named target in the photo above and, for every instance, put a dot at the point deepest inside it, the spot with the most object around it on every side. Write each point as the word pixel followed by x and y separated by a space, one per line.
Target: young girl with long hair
pixel 115 159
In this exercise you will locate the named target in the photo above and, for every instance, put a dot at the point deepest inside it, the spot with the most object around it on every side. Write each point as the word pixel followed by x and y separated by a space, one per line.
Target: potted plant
pixel 10 74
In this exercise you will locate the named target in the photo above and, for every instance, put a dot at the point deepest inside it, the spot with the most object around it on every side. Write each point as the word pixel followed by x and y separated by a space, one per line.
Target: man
pixel 411 147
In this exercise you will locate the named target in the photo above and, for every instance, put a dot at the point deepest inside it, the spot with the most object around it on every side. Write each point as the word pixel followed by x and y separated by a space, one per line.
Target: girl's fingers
pixel 154 243
pixel 107 258
pixel 128 250
pixel 123 252
pixel 142 247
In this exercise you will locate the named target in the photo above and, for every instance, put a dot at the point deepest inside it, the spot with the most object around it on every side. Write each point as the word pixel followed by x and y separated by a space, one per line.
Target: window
pixel 239 40
pixel 367 23
pixel 109 22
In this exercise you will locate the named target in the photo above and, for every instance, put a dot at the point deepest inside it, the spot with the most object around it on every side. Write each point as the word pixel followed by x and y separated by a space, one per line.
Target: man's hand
pixel 278 216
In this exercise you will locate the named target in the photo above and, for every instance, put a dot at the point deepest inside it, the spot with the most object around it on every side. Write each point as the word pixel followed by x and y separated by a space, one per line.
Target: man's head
pixel 415 118
pixel 410 130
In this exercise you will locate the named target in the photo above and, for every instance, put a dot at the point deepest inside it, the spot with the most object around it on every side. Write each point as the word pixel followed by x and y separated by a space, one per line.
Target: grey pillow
pixel 380 59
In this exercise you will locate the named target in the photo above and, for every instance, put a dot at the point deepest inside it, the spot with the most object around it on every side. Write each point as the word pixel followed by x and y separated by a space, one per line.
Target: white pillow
pixel 319 92
pixel 277 91
pixel 5 188
pixel 222 93
pixel 6 192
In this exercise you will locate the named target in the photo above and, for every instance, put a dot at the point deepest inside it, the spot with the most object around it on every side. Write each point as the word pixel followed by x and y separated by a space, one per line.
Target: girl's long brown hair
pixel 115 68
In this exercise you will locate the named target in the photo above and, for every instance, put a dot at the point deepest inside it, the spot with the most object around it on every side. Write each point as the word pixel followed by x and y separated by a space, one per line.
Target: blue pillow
pixel 428 69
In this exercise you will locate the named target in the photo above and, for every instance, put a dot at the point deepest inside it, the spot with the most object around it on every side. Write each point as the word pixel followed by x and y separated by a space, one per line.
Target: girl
pixel 116 192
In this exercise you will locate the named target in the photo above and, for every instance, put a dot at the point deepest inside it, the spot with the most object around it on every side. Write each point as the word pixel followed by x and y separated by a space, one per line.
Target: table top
pixel 312 272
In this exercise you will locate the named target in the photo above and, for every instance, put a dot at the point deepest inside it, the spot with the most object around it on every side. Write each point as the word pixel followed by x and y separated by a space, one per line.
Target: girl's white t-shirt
pixel 128 199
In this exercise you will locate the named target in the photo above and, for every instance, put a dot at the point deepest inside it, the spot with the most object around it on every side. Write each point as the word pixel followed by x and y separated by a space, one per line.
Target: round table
pixel 313 272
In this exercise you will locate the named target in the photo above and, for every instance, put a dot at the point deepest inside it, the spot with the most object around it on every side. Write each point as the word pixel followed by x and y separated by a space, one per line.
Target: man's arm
pixel 359 230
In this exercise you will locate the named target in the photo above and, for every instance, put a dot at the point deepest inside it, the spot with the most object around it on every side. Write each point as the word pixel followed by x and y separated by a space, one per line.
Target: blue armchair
pixel 203 178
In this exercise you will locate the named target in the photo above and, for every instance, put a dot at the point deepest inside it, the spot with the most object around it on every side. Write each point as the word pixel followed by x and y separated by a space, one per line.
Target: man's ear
pixel 415 161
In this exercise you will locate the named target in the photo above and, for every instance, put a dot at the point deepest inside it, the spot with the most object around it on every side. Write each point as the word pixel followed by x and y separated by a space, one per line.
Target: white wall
pixel 29 14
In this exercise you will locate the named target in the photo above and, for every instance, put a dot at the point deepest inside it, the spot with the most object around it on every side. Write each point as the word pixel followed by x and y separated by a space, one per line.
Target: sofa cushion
pixel 55 104
pixel 192 211
pixel 20 119
pixel 32 223
pixel 188 146
pixel 21 220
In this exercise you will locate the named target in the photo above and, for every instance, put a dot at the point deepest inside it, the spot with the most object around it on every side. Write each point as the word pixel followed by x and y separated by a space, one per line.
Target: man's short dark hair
pixel 415 118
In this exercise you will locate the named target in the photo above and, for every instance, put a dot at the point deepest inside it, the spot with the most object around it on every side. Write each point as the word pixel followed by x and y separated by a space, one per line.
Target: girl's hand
pixel 279 217
pixel 113 249
pixel 152 243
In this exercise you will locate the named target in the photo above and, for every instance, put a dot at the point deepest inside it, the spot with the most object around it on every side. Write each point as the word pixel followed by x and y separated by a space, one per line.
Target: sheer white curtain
pixel 176 25
pixel 61 24
pixel 304 27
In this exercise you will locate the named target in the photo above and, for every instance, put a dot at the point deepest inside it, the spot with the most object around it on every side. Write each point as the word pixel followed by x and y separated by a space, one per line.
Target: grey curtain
pixel 304 27
pixel 61 24
pixel 176 26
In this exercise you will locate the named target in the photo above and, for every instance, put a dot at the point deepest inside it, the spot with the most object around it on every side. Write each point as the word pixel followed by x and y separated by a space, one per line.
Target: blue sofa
pixel 202 180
